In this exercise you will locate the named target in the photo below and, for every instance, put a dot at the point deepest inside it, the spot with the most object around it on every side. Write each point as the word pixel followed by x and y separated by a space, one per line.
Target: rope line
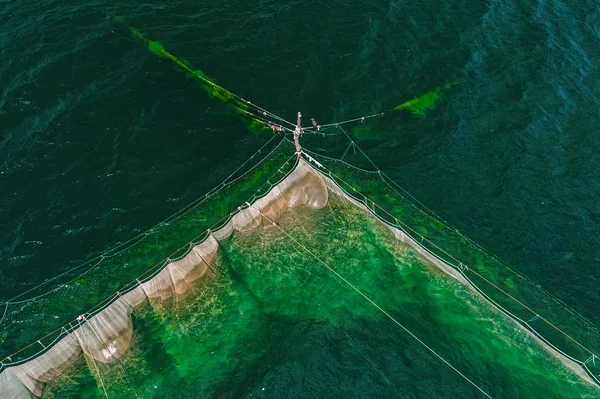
pixel 359 149
pixel 374 304
pixel 4 314
pixel 347 148
pixel 317 154
pixel 118 359
pixel 97 371
pixel 100 378
pixel 265 112
pixel 302 285
pixel 362 119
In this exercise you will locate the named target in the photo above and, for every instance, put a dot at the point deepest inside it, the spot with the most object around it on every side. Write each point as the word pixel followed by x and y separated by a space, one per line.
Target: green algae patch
pixel 456 82
pixel 365 132
pixel 420 105
pixel 428 101
pixel 255 126
pixel 182 65
pixel 136 33
pixel 156 48
pixel 207 84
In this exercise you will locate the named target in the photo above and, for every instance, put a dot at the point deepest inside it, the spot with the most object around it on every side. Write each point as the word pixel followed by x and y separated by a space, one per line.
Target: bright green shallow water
pixel 274 322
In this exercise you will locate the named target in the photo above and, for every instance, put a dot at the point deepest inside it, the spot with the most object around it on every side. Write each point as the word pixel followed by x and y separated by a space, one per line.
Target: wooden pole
pixel 297 133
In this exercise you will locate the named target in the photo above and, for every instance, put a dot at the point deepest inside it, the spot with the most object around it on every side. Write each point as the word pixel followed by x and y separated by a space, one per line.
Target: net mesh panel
pixel 43 314
pixel 495 280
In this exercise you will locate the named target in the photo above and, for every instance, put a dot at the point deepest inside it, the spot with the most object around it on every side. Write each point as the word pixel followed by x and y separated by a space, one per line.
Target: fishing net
pixel 302 253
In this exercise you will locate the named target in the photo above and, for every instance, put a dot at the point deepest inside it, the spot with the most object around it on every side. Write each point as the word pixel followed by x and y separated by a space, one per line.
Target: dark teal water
pixel 100 139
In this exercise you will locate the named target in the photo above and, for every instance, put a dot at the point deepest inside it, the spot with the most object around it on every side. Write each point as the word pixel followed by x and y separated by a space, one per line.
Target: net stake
pixel 297 133
pixel 591 359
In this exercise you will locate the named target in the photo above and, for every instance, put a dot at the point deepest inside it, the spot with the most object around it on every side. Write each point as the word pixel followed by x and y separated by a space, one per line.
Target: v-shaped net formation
pixel 291 213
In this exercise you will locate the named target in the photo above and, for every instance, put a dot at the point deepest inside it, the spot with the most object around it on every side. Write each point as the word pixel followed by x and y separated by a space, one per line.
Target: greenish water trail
pixel 427 101
pixel 215 91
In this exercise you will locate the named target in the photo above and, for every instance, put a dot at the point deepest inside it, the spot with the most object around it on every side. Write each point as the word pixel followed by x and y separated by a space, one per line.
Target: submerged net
pixel 298 261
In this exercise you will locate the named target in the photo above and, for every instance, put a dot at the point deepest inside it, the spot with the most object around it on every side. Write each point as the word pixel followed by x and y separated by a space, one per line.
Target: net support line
pixel 5 311
pixel 361 119
pixel 347 149
pixel 373 303
pixel 97 371
pixel 118 359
